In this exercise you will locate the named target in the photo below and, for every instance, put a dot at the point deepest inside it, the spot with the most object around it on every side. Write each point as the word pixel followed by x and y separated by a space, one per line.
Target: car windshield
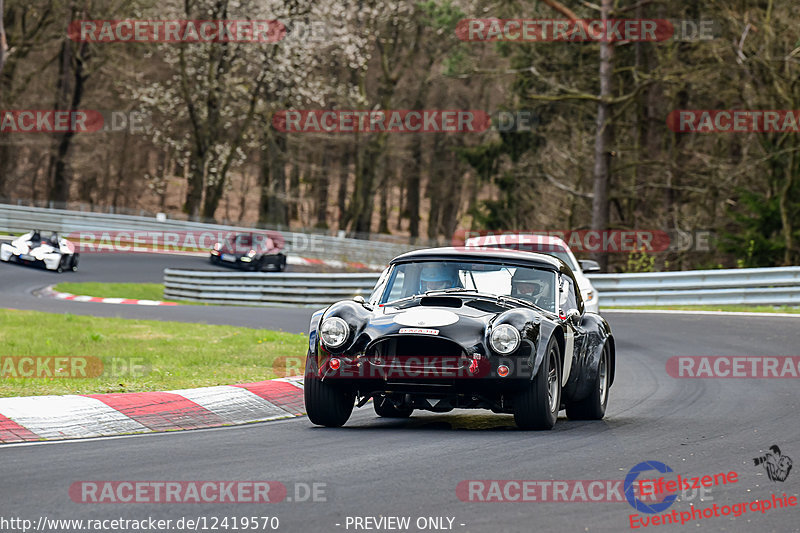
pixel 532 284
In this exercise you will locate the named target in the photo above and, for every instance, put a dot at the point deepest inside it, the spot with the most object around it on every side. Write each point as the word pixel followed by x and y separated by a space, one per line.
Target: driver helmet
pixel 437 277
pixel 529 283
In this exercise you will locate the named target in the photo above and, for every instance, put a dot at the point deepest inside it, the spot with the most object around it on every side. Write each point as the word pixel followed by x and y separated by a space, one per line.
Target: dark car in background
pixel 257 251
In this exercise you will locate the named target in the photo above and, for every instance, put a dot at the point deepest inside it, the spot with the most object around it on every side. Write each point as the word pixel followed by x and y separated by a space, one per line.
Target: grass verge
pixel 729 308
pixel 138 355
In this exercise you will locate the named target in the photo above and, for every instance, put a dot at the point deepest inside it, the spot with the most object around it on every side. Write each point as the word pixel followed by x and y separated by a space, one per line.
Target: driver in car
pixel 530 285
pixel 438 277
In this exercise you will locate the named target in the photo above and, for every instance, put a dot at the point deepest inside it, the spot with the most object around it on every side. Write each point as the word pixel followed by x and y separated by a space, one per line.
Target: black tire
pixel 386 409
pixel 326 404
pixel 593 407
pixel 61 264
pixel 537 406
pixel 73 265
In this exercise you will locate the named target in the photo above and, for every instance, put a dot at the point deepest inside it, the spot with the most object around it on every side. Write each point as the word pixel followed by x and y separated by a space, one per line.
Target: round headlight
pixel 504 339
pixel 333 332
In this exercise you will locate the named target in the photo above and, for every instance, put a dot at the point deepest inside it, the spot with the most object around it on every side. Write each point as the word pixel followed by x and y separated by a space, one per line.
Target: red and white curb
pixel 36 418
pixel 80 298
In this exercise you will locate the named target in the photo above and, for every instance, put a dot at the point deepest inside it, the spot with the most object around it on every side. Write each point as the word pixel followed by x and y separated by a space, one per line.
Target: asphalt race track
pixel 376 467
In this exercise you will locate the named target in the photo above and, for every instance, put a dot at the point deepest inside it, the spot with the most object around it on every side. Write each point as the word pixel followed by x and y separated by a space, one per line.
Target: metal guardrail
pixel 751 286
pixel 265 289
pixel 17 219
pixel 746 286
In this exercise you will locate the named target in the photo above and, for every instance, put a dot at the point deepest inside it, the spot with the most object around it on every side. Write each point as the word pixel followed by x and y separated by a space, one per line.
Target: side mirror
pixel 360 299
pixel 573 317
pixel 587 265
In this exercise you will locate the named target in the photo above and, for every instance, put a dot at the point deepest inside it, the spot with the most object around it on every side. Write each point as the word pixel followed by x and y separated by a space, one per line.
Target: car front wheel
pixel 537 406
pixel 326 404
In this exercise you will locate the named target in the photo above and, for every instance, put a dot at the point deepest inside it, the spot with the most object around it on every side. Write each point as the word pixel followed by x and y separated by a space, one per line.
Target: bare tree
pixel 3 44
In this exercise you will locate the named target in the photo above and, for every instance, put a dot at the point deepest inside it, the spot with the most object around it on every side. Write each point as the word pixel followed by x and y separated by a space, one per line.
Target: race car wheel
pixel 62 263
pixel 74 263
pixel 386 409
pixel 593 407
pixel 326 404
pixel 537 406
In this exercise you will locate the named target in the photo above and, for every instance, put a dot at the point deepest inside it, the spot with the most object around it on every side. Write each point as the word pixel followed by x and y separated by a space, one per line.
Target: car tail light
pixel 334 363
pixel 502 371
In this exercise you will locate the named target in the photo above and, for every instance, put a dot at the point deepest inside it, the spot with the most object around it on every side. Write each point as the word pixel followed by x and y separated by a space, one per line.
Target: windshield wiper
pixel 522 301
pixel 450 290
pixel 393 302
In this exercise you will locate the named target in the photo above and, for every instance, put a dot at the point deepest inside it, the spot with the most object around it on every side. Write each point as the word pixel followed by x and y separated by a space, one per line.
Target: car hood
pixel 464 320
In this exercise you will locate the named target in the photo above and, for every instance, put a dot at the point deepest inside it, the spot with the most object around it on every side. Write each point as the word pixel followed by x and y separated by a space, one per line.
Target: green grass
pixel 168 355
pixel 731 308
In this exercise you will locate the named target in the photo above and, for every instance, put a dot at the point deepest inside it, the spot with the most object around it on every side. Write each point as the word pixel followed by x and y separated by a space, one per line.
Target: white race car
pixel 550 245
pixel 52 252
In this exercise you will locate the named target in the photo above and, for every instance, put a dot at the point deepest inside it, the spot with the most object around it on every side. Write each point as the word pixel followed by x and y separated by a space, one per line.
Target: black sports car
pixel 251 251
pixel 448 328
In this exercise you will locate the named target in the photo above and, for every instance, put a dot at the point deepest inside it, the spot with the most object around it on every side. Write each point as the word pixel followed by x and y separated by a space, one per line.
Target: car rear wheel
pixel 386 409
pixel 326 404
pixel 74 263
pixel 537 406
pixel 593 407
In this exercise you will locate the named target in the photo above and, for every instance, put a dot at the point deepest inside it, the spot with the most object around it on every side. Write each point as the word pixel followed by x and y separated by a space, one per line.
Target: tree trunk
pixel 321 185
pixel 293 198
pixel 4 148
pixel 3 44
pixel 70 93
pixel 413 184
pixel 603 140
pixel 383 224
pixel 195 181
pixel 341 195
pixel 272 178
pixel 786 218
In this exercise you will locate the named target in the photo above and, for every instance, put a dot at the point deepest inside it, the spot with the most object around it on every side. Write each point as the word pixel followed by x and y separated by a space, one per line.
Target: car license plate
pixel 26 257
pixel 228 257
